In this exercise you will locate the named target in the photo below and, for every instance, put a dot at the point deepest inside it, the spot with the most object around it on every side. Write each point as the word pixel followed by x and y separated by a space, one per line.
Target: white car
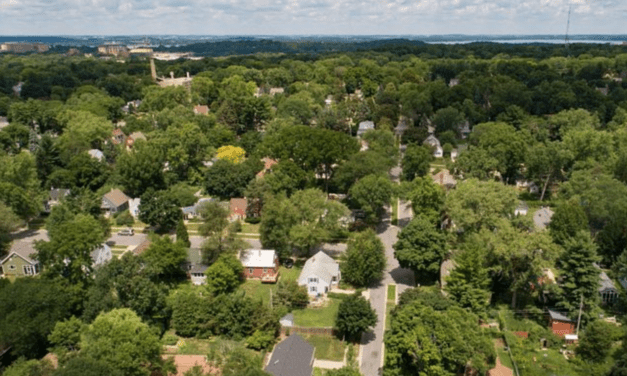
pixel 127 232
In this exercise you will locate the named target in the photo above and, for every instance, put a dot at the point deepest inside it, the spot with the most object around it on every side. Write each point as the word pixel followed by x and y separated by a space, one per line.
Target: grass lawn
pixel 255 288
pixel 323 317
pixel 242 236
pixel 389 306
pixel 505 359
pixel 192 226
pixel 250 228
pixel 394 210
pixel 327 347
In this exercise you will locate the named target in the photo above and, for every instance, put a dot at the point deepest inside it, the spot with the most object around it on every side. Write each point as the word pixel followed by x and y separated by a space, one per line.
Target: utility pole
pixel 579 318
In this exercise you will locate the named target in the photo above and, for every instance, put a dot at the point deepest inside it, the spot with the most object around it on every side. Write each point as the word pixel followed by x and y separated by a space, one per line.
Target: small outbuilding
pixel 560 324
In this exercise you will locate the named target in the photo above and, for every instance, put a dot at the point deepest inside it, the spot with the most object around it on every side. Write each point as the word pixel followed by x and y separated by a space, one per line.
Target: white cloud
pixel 309 16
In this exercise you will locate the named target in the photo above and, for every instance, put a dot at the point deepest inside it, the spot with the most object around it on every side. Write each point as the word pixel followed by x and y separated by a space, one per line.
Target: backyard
pixel 256 289
pixel 322 317
pixel 327 347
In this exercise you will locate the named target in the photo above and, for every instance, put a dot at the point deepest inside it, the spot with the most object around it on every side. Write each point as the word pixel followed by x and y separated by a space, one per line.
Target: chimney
pixel 187 74
pixel 172 75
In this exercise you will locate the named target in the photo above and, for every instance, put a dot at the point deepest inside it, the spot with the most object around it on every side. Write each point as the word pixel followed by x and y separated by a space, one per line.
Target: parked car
pixel 127 232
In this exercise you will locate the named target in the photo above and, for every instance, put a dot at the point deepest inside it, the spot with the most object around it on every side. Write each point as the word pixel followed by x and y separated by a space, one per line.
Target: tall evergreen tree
pixel 181 233
pixel 469 280
pixel 569 218
pixel 581 276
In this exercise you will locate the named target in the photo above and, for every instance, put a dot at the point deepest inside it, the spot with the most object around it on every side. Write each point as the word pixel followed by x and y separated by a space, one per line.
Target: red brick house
pixel 560 324
pixel 237 209
pixel 262 264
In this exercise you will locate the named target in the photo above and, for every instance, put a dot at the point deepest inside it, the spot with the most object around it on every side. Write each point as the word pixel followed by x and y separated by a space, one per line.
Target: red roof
pixel 238 206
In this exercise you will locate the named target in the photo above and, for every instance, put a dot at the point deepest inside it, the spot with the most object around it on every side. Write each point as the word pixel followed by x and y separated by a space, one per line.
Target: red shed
pixel 560 324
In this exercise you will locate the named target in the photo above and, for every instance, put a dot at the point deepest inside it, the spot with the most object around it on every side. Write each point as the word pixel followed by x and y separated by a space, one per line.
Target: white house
pixel 432 141
pixel 320 274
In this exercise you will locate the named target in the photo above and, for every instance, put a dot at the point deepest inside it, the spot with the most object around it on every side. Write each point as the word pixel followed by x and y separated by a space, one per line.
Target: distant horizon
pixel 317 35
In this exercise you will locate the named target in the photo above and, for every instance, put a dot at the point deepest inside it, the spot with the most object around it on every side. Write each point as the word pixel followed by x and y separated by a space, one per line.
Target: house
pixel 237 209
pixel 20 261
pixel 201 110
pixel 560 324
pixel 364 127
pixel 444 179
pixel 131 106
pixel 454 154
pixel 101 255
pixel 320 274
pixel 434 143
pixel 132 139
pixel 267 166
pixel 542 218
pixel 276 90
pixel 521 209
pixel 453 82
pixel 195 267
pixel 133 207
pixel 115 201
pixel 292 357
pixel 262 264
pixel 54 198
pixel 464 130
pixel 607 291
pixel 95 153
pixel 117 136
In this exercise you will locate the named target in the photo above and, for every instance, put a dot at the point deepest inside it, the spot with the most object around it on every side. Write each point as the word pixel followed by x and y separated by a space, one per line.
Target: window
pixel 313 289
pixel 313 280
pixel 12 267
pixel 29 270
pixel 334 279
pixel 250 270
pixel 265 270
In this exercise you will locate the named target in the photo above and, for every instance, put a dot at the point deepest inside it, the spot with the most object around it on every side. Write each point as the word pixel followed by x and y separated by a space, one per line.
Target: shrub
pixel 124 219
pixel 260 340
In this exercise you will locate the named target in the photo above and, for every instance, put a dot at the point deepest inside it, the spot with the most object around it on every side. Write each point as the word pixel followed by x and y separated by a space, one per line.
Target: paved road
pixel 372 343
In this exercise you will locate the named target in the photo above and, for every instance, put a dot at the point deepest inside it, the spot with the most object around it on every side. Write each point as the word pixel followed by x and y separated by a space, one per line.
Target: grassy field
pixel 389 306
pixel 323 317
pixel 505 359
pixel 250 228
pixel 394 210
pixel 327 348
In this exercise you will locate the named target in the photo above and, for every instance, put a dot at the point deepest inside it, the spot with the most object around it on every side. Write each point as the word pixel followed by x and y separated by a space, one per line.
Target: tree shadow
pixel 403 276
pixel 367 337
pixel 25 234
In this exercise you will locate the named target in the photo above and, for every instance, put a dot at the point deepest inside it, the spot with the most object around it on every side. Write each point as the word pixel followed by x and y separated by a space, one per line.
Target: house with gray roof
pixel 20 261
pixel 101 255
pixel 190 212
pixel 542 218
pixel 195 267
pixel 320 274
pixel 607 290
pixel 115 201
pixel 54 198
pixel 364 127
pixel 432 141
pixel 97 154
pixel 292 357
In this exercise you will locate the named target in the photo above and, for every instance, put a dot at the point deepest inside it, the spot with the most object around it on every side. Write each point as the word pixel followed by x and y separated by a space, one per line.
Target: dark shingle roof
pixel 292 357
pixel 558 316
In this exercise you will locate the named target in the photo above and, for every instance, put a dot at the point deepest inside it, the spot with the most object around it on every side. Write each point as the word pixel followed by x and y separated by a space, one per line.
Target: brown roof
pixel 444 178
pixel 117 197
pixel 267 165
pixel 141 247
pixel 201 109
pixel 238 206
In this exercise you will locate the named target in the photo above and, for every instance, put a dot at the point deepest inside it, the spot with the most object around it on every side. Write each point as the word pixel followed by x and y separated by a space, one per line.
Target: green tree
pixel 225 275
pixel 226 179
pixel 469 282
pixel 181 234
pixel 357 167
pixel 159 209
pixel 355 316
pixel 120 339
pixel 364 260
pixel 276 222
pixel 344 371
pixel 66 335
pixel 291 295
pixel 416 162
pixel 447 119
pixel 474 205
pixel 221 237
pixel 29 310
pixel 568 219
pixel 596 341
pixel 421 247
pixel 427 198
pixel 581 276
pixel 371 194
pixel 9 222
pixel 164 259
pixel 86 366
pixel 142 169
pixel 68 253
pixel 34 367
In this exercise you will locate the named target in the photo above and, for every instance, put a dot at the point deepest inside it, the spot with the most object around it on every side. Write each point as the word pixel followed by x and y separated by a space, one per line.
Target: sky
pixel 307 17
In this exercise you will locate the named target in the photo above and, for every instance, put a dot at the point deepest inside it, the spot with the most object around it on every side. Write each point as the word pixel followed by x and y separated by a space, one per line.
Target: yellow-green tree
pixel 231 153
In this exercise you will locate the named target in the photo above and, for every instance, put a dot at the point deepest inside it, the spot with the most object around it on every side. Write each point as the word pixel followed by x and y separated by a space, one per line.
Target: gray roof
pixel 365 126
pixel 102 255
pixel 320 265
pixel 542 217
pixel 198 269
pixel 432 140
pixel 605 283
pixel 558 316
pixel 117 197
pixel 56 194
pixel 292 357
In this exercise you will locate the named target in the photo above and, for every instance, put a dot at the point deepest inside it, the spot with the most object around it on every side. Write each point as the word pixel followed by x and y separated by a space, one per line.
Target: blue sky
pixel 279 17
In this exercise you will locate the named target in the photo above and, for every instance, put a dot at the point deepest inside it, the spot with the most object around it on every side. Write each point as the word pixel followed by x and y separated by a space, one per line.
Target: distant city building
pixel 141 51
pixel 21 47
pixel 114 49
